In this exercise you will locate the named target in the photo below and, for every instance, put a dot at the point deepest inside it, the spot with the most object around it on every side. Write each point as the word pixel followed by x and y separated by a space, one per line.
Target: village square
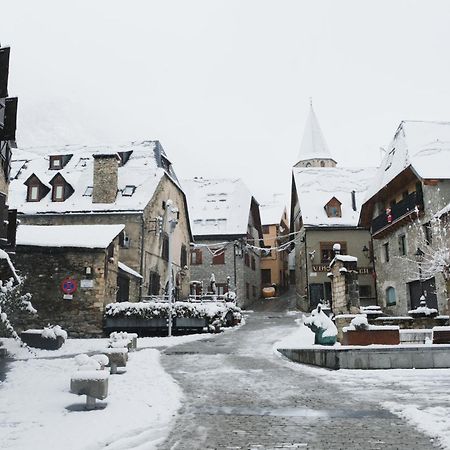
pixel 188 289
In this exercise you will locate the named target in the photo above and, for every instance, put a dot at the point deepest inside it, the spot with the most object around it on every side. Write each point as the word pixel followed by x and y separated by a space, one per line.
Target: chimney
pixel 354 200
pixel 105 178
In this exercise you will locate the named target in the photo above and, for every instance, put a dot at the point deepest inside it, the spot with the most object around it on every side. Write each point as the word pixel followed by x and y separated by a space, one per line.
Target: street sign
pixel 69 285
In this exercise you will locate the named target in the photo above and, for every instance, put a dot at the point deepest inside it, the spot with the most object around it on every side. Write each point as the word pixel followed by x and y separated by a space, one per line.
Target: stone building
pixel 274 263
pixel 226 222
pixel 411 186
pixel 325 207
pixel 8 115
pixel 72 272
pixel 129 185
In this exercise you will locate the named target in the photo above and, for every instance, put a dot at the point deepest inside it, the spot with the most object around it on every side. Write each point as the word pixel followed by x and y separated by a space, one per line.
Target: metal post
pixel 171 224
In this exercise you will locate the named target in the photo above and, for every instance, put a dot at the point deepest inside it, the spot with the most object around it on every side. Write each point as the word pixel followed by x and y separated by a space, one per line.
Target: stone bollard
pixel 92 383
pixel 117 358
pixel 133 338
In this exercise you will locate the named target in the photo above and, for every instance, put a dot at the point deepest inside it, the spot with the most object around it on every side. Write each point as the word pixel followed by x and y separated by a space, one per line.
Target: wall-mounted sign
pixel 87 284
pixel 68 297
pixel 324 268
pixel 69 285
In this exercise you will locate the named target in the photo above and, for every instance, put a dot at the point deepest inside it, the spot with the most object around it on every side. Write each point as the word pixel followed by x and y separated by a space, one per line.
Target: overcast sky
pixel 225 85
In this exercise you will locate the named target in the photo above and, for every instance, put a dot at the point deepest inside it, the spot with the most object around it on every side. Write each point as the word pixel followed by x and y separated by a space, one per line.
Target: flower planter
pixel 190 322
pixel 131 323
pixel 36 340
pixel 369 337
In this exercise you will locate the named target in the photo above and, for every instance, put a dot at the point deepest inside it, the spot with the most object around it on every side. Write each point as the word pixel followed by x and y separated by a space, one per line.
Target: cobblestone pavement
pixel 240 395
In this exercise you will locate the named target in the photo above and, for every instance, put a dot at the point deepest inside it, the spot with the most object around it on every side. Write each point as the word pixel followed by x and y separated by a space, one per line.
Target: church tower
pixel 314 151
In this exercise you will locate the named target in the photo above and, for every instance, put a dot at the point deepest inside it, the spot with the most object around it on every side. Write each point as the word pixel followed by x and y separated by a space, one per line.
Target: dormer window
pixel 36 189
pixel 124 157
pixel 62 190
pixel 333 208
pixel 88 191
pixel 57 162
pixel 128 191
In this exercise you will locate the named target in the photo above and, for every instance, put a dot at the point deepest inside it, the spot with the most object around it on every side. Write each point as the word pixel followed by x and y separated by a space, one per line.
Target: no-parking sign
pixel 69 286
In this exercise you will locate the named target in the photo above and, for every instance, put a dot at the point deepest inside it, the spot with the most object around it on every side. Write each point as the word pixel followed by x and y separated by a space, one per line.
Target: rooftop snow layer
pixel 142 170
pixel 425 146
pixel 218 206
pixel 313 144
pixel 75 236
pixel 271 214
pixel 317 186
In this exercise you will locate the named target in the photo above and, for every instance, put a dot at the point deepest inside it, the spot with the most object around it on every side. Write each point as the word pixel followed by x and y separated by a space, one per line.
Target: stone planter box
pixel 441 336
pixel 369 337
pixel 190 322
pixel 34 339
pixel 132 323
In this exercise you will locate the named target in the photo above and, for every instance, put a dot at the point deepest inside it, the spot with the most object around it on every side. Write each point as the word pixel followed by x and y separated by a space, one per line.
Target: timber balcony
pixel 400 213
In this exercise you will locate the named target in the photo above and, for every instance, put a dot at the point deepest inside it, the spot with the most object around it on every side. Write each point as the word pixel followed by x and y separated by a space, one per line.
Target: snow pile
pixel 360 323
pixel 94 375
pixel 87 363
pixel 318 319
pixel 52 332
pixel 423 310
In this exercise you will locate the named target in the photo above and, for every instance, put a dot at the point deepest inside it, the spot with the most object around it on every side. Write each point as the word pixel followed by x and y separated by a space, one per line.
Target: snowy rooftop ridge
pixel 271 213
pixel 218 206
pixel 313 144
pixel 317 186
pixel 73 236
pixel 143 171
pixel 422 145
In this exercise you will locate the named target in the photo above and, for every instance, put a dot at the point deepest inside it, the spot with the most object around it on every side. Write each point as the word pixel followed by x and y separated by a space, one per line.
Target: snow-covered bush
pixel 53 331
pixel 12 302
pixel 210 311
pixel 359 323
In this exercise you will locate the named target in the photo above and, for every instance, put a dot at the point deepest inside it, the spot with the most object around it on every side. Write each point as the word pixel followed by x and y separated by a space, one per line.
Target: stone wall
pixel 45 269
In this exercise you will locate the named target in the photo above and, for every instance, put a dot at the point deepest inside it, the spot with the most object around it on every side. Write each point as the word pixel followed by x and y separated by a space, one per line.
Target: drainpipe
pixel 142 256
pixel 374 270
pixel 306 272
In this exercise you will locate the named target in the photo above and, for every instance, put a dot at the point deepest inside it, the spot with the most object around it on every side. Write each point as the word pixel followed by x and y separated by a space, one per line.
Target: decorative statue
pixel 322 326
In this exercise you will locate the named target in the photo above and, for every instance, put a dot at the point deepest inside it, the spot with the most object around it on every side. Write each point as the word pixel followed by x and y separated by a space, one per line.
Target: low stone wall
pixel 412 323
pixel 386 357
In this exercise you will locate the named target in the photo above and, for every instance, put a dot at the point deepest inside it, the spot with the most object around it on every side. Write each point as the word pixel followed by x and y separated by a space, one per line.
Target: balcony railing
pixel 398 211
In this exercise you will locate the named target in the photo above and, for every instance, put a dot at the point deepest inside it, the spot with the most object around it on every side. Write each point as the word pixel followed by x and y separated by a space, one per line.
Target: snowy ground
pixel 35 411
pixel 422 397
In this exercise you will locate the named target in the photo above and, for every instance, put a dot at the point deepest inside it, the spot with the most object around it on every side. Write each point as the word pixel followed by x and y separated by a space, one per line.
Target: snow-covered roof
pixel 129 270
pixel 317 186
pixel 313 144
pixel 218 206
pixel 425 146
pixel 271 213
pixel 75 236
pixel 143 170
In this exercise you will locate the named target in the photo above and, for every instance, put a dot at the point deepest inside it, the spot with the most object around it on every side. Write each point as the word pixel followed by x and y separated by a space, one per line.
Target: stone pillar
pixel 344 285
pixel 105 178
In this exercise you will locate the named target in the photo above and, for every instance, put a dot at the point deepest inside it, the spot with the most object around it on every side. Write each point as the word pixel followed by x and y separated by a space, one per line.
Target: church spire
pixel 314 150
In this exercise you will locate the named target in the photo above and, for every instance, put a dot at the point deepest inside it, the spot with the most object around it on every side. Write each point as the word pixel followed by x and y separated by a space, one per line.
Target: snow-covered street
pixel 240 394
pixel 38 411
pixel 230 391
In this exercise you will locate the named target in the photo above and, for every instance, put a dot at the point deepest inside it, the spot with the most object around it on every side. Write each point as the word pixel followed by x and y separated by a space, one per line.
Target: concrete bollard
pixel 117 358
pixel 92 383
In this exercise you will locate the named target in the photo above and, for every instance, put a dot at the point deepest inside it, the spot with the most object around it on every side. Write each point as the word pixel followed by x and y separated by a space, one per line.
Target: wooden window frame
pixel 198 259
pixel 328 246
pixel 30 190
pixel 219 259
pixel 54 190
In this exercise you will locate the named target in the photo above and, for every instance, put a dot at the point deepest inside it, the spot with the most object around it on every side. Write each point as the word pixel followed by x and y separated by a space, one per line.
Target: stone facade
pixel 402 269
pixel 311 270
pixel 45 269
pixel 142 248
pixel 344 286
pixel 237 268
